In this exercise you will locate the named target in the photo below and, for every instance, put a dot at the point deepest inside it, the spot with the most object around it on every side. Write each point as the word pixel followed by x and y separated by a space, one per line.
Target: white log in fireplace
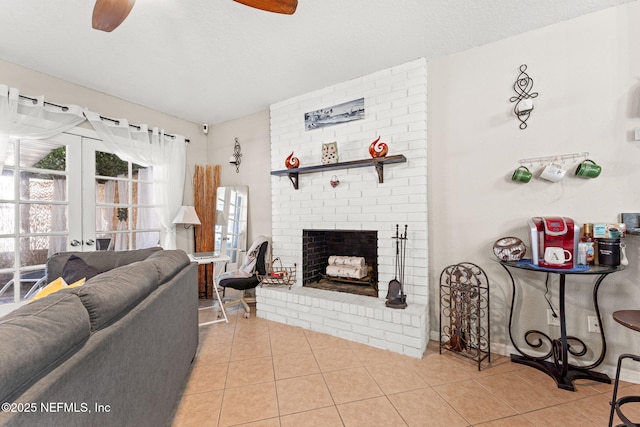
pixel 395 109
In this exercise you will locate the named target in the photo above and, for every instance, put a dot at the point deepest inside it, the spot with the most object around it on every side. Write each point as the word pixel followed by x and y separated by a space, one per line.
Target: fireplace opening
pixel 321 246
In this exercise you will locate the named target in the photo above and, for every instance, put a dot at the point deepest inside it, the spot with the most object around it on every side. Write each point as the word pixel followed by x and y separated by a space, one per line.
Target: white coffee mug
pixel 553 172
pixel 555 255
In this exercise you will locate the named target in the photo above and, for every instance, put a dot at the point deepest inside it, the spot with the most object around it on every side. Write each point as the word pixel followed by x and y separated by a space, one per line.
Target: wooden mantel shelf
pixel 375 162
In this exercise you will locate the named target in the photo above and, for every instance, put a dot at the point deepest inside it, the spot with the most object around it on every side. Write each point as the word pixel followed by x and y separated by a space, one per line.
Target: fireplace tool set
pixel 396 297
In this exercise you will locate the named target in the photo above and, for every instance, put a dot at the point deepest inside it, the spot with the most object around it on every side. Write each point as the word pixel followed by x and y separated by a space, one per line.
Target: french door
pixel 67 193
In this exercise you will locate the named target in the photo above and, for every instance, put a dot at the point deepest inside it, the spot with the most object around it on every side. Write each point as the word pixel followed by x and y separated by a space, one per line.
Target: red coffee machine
pixel 554 241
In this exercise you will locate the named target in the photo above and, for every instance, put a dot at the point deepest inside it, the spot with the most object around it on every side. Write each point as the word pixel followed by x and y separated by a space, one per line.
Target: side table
pixel 218 261
pixel 555 362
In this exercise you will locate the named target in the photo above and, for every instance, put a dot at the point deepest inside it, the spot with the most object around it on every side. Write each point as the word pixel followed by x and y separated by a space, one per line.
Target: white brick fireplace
pixel 395 109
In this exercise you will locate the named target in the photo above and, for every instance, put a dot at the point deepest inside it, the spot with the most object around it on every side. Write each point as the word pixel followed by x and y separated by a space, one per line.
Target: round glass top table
pixel 555 362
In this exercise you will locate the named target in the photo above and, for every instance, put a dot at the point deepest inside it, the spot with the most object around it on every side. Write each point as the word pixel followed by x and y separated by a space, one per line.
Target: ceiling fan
pixel 108 14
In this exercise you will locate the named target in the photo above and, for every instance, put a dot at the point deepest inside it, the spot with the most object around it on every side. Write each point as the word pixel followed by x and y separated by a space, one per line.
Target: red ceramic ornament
pixel 292 162
pixel 378 148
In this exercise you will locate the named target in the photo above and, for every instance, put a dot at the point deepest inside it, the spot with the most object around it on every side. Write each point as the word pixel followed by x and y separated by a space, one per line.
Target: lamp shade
pixel 187 215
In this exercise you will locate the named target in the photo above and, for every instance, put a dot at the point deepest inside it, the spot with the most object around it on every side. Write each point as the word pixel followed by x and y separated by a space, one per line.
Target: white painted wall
pixel 253 135
pixel 587 72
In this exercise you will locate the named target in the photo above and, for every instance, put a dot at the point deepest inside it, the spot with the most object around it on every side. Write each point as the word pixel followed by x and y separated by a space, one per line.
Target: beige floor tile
pixel 557 416
pixel 517 393
pixel 517 421
pixel 302 394
pixel 396 378
pixel 249 349
pixel 498 365
pixel 289 343
pixel 207 378
pixel 334 358
pixel 376 412
pixel 271 422
pixel 248 404
pixel 318 340
pixel 425 407
pixel 294 365
pixel 216 335
pixel 364 386
pixel 472 401
pixel 375 356
pixel 351 384
pixel 213 354
pixel 250 371
pixel 323 417
pixel 595 408
pixel 199 410
pixel 442 369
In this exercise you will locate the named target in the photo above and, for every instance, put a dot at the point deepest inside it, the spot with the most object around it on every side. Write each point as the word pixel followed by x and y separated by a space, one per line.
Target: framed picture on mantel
pixel 335 115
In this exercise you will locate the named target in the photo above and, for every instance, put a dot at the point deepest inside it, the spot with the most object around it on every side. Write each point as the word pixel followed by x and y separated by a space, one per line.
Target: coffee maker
pixel 554 242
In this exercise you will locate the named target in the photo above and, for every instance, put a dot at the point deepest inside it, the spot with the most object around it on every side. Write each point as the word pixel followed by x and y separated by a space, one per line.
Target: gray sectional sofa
pixel 115 351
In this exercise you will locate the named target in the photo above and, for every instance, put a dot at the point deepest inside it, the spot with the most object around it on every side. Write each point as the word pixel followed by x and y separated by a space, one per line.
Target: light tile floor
pixel 253 372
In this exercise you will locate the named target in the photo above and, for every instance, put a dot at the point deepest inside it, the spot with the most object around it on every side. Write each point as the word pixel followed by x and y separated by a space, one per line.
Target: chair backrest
pixel 261 264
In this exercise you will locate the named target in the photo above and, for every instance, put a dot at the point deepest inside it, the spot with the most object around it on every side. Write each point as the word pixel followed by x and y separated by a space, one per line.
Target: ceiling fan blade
pixel 286 7
pixel 108 14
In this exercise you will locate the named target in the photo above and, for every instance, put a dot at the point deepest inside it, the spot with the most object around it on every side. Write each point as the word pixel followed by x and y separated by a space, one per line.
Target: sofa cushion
pixel 76 268
pixel 100 260
pixel 37 337
pixel 168 263
pixel 110 295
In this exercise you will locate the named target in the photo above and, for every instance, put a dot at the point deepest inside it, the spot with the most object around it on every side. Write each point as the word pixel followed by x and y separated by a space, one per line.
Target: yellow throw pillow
pixel 52 287
pixel 78 283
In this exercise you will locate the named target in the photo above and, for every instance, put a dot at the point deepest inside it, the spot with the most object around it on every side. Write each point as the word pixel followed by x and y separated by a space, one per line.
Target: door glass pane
pixel 40 218
pixel 7 218
pixel 34 250
pixel 6 184
pixel 110 165
pixel 7 253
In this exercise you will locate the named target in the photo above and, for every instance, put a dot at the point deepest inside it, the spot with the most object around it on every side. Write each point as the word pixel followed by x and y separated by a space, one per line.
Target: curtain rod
pixel 116 121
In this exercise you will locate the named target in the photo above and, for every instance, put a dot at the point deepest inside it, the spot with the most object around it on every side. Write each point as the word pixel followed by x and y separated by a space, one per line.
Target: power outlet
pixel 594 325
pixel 636 134
pixel 551 320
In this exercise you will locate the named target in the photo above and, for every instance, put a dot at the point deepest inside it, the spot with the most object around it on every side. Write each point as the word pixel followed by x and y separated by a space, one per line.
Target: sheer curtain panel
pixel 166 154
pixel 32 118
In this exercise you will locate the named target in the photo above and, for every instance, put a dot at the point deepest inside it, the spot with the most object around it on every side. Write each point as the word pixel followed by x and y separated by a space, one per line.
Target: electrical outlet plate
pixel 553 321
pixel 594 325
pixel 636 134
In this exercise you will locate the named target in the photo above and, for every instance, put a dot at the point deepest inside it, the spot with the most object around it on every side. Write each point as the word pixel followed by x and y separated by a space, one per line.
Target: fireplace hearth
pixel 319 245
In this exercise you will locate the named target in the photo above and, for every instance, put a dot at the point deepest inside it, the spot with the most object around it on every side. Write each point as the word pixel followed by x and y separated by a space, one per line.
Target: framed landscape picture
pixel 329 116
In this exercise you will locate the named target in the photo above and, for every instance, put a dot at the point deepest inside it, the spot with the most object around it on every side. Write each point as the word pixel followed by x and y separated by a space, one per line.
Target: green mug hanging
pixel 588 169
pixel 521 174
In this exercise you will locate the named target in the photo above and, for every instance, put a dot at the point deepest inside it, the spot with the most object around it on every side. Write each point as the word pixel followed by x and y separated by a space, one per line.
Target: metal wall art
pixel 340 113
pixel 524 96
pixel 235 157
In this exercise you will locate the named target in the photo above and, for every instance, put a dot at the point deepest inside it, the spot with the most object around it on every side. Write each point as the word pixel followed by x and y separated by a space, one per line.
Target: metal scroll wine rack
pixel 464 312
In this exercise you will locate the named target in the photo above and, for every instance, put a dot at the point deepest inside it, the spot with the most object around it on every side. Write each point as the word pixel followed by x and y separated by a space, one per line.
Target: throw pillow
pixel 76 268
pixel 52 287
pixel 78 283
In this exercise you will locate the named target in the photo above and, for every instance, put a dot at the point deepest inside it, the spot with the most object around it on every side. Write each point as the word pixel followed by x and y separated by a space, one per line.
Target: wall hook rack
pixel 559 158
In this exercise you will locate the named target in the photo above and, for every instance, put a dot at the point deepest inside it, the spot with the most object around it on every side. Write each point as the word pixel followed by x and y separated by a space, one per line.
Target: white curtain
pixel 58 217
pixel 22 118
pixel 167 155
pixel 146 218
pixel 122 239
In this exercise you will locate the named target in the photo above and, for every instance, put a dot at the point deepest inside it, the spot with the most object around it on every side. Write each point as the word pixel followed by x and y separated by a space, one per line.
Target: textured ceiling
pixel 209 61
